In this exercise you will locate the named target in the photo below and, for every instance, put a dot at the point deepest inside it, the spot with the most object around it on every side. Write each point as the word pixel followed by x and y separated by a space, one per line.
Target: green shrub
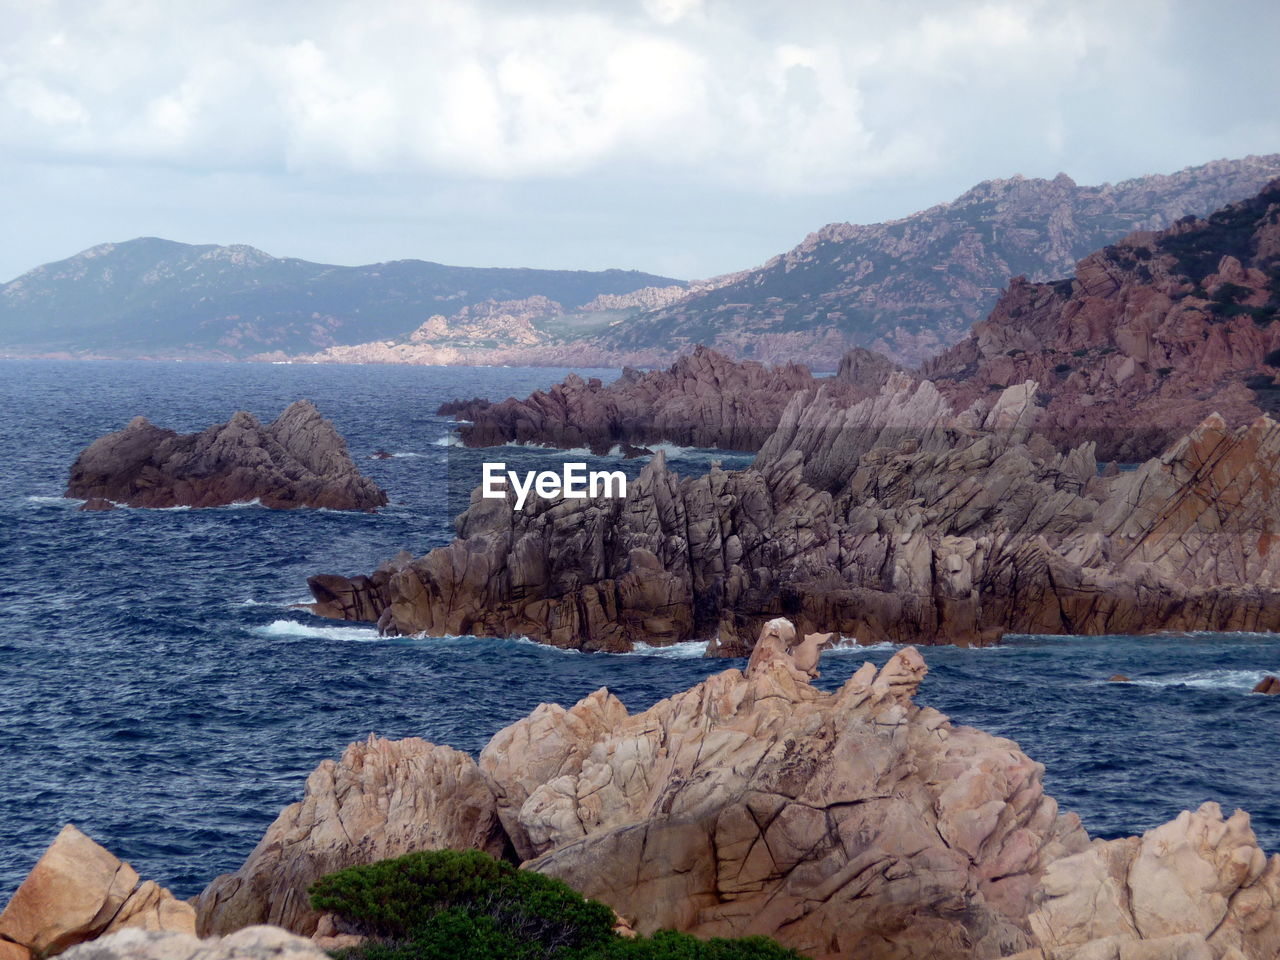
pixel 1062 369
pixel 451 905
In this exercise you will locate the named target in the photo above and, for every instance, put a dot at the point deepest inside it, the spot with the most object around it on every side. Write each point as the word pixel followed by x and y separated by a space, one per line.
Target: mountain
pixel 1152 335
pixel 157 297
pixel 910 287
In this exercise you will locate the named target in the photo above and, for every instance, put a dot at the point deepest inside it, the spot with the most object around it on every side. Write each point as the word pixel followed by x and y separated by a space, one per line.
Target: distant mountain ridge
pixel 159 297
pixel 911 287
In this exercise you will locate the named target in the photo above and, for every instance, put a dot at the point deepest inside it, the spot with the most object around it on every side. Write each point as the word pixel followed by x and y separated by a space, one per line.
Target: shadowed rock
pixel 703 400
pixel 885 520
pixel 299 460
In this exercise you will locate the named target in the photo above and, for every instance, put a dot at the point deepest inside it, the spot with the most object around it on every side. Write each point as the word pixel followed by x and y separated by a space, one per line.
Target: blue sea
pixel 159 689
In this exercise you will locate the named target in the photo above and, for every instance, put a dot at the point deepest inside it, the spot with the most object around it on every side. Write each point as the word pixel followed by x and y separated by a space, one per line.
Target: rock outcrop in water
pixel 887 520
pixel 381 799
pixel 78 891
pixel 1152 335
pixel 703 400
pixel 850 824
pixel 298 460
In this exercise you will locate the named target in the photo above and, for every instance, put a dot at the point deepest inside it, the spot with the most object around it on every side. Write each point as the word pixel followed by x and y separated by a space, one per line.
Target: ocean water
pixel 158 689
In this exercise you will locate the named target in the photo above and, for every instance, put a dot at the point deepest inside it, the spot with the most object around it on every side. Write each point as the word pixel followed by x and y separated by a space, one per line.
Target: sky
pixel 687 138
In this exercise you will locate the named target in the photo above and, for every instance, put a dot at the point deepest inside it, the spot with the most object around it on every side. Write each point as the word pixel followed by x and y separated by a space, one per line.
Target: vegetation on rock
pixel 452 905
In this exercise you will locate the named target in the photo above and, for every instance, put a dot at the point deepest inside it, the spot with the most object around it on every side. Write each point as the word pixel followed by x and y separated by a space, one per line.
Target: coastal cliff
pixel 891 519
pixel 702 400
pixel 1150 336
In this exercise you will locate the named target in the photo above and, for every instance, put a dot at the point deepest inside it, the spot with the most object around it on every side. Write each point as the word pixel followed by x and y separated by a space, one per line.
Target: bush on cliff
pixel 451 905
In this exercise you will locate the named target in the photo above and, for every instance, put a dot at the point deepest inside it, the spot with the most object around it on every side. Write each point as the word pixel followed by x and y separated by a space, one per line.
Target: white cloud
pixel 820 96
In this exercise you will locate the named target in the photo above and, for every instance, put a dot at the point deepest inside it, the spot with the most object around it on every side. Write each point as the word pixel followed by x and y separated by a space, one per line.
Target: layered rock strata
pixel 886 520
pixel 855 823
pixel 1149 337
pixel 298 460
pixel 703 400
pixel 78 891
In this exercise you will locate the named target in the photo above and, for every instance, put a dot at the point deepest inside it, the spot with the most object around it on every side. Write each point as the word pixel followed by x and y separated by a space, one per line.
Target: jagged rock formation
pixel 298 460
pixel 383 798
pixel 251 943
pixel 921 527
pixel 77 891
pixel 1151 335
pixel 153 297
pixel 911 287
pixel 856 823
pixel 703 400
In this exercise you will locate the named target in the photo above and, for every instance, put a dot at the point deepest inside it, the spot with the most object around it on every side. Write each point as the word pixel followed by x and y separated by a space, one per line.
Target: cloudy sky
pixel 686 137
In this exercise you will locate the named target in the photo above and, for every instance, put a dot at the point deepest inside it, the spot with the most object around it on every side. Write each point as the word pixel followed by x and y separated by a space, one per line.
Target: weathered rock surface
pixel 1151 335
pixel 77 891
pixel 850 824
pixel 1197 887
pixel 1268 685
pixel 298 460
pixel 251 943
pixel 886 520
pixel 383 798
pixel 703 400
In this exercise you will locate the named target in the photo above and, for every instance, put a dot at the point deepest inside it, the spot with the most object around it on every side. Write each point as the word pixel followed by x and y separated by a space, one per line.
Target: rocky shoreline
pixel 891 519
pixel 856 823
pixel 297 460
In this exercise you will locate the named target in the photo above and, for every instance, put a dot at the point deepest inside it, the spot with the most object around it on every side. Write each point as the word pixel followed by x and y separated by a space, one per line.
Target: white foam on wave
pixel 1242 681
pixel 407 455
pixel 688 650
pixel 54 501
pixel 294 629
pixel 848 645
pixel 448 440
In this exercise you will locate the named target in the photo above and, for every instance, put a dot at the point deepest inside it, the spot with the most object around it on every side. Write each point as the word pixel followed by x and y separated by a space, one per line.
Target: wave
pixel 848 645
pixel 53 501
pixel 1238 680
pixel 448 440
pixel 292 629
pixel 688 650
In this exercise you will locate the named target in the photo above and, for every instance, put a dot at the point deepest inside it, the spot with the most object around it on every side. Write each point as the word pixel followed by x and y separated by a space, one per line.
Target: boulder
pixel 1119 678
pixel 855 823
pixel 298 460
pixel 383 798
pixel 97 503
pixel 1269 685
pixel 251 943
pixel 79 890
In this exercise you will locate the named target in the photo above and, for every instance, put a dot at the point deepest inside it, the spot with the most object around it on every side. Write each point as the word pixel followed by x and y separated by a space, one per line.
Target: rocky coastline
pixel 297 460
pixel 704 399
pixel 891 519
pixel 856 823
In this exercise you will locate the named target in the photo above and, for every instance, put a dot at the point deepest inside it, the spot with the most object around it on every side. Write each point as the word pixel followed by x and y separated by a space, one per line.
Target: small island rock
pixel 298 460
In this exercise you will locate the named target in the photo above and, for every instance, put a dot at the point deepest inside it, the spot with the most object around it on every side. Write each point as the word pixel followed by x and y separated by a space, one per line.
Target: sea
pixel 161 689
